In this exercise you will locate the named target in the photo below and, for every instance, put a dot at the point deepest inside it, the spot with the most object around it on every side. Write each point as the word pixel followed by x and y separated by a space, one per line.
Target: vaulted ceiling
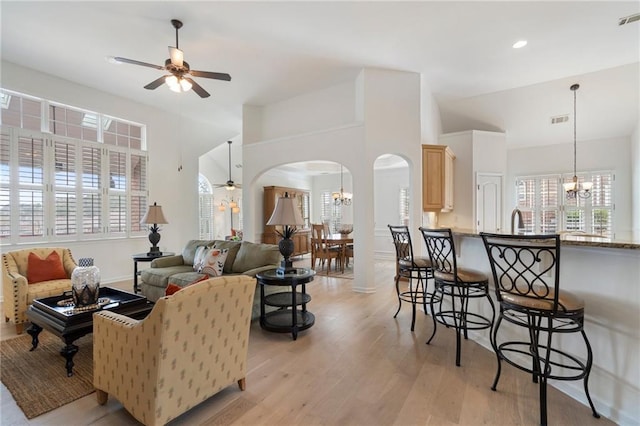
pixel 276 50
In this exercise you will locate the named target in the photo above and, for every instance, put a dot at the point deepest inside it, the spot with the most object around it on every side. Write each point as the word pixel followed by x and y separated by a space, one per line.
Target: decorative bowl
pixel 345 229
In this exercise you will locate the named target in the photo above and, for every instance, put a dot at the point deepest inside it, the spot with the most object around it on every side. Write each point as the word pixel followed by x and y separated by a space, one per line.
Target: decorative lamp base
pixel 154 251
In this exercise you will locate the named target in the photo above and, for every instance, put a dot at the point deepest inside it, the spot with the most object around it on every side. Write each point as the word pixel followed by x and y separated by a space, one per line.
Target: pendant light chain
pixel 575 189
pixel 575 119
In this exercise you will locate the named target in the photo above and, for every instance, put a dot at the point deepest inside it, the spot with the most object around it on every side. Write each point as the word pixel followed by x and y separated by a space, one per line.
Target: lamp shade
pixel 154 215
pixel 286 213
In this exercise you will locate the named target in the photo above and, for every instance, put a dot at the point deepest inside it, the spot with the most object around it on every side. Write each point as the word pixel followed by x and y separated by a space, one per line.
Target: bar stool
pixel 416 270
pixel 526 273
pixel 457 285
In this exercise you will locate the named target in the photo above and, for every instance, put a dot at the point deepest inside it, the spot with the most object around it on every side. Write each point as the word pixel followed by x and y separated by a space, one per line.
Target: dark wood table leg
pixel 68 352
pixel 135 276
pixel 294 319
pixel 33 331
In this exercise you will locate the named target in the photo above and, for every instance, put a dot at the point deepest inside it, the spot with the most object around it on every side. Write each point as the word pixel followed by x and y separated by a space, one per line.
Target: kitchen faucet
pixel 515 212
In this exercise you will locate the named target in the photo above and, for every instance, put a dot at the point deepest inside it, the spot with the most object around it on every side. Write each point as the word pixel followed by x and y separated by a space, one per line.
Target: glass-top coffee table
pixel 59 316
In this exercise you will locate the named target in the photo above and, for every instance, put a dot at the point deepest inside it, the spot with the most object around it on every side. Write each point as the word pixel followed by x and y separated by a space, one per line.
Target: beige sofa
pixel 243 258
pixel 17 294
pixel 182 353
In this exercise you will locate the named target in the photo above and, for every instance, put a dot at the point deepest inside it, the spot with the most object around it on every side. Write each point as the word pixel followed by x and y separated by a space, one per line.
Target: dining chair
pixel 457 286
pixel 526 275
pixel 416 270
pixel 322 250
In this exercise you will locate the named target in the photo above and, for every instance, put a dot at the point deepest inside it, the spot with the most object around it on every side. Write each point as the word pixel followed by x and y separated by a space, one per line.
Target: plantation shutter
pixel 66 209
pixel 117 192
pixel 5 189
pixel 31 187
pixel 403 207
pixel 91 190
pixel 138 191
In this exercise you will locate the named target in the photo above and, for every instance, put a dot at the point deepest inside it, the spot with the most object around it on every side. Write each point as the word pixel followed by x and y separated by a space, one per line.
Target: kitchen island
pixel 606 274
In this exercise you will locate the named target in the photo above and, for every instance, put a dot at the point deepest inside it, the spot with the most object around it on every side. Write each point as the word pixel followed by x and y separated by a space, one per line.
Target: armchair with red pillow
pixel 30 274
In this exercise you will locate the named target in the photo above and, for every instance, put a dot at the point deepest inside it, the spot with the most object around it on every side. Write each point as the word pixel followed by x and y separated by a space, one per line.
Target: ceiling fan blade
pixel 134 62
pixel 208 74
pixel 197 88
pixel 156 83
pixel 177 56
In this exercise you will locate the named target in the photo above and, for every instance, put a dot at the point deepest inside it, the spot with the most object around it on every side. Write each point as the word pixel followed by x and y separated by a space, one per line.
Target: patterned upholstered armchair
pixel 192 344
pixel 20 286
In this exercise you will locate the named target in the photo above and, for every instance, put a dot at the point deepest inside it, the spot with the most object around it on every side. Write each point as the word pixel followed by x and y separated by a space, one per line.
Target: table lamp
pixel 154 216
pixel 286 214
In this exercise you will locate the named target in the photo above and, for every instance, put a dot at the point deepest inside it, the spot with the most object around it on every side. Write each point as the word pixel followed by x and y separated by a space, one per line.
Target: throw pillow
pixel 47 269
pixel 198 259
pixel 174 288
pixel 213 263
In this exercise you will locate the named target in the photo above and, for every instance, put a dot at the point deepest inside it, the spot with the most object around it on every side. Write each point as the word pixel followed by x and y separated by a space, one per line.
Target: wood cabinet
pixel 437 178
pixel 302 237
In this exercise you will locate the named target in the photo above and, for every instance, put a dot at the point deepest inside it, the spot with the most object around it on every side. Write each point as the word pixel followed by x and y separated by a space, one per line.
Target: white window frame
pixel 331 213
pixel 404 206
pixel 205 208
pixel 49 186
pixel 563 207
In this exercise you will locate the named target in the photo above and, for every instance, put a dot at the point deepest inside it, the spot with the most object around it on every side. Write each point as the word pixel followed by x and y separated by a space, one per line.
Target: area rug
pixel 347 274
pixel 38 380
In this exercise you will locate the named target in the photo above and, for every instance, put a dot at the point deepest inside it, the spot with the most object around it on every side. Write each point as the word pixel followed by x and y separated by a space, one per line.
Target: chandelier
pixel 574 188
pixel 342 198
pixel 232 205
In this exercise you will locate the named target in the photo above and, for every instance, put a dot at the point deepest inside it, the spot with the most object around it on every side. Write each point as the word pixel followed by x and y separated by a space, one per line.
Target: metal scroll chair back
pixel 526 271
pixel 442 250
pixel 404 248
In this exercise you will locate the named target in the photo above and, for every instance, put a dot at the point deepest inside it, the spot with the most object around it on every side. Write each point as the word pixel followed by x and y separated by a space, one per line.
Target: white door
pixel 488 202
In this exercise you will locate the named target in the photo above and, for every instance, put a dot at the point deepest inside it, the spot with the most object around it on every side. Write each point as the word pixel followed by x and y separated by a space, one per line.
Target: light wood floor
pixel 356 366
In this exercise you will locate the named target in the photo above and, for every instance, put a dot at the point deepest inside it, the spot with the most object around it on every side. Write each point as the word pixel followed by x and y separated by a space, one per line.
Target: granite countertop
pixel 571 240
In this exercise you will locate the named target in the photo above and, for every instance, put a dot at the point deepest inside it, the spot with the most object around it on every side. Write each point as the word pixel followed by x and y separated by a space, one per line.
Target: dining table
pixel 334 240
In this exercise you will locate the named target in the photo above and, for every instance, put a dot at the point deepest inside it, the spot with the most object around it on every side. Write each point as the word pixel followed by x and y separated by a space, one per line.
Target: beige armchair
pixel 18 294
pixel 193 344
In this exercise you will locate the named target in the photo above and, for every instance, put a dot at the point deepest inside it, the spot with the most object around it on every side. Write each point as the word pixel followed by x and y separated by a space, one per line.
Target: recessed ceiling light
pixel 520 43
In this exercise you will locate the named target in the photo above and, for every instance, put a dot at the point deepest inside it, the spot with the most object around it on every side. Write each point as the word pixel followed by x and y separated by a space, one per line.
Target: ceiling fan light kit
pixel 178 80
pixel 229 185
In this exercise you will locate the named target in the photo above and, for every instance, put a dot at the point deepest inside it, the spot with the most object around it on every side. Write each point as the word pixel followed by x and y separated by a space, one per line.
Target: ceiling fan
pixel 179 79
pixel 229 185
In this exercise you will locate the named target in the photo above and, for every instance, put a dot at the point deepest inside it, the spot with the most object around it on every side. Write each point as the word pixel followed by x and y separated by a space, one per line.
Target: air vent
pixel 560 119
pixel 629 19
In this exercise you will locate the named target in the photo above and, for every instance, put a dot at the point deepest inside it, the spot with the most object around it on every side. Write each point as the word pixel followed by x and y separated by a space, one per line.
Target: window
pixel 205 203
pixel 330 212
pixel 403 207
pixel 59 181
pixel 545 208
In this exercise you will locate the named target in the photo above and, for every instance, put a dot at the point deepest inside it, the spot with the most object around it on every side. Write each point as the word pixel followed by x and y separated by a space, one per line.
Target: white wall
pixel 388 183
pixel 389 104
pixel 635 183
pixel 431 125
pixel 476 151
pixel 176 191
pixel 333 107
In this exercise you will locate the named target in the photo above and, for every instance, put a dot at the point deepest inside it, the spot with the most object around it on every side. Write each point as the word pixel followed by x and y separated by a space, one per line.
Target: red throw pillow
pixel 174 288
pixel 50 268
